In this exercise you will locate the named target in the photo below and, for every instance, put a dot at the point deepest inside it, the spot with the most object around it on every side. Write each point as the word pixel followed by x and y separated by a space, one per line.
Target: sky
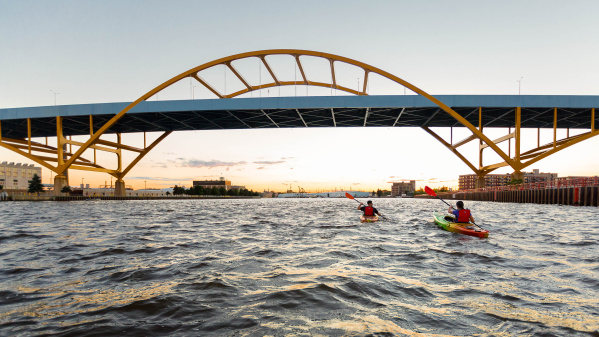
pixel 116 51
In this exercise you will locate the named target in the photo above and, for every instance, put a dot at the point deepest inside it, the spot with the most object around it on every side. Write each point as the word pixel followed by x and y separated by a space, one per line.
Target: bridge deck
pixel 294 112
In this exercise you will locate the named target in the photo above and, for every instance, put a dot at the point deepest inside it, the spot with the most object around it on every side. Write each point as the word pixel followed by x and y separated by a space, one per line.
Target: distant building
pixel 468 181
pixel 340 194
pixel 403 187
pixel 564 179
pixel 213 183
pixel 17 176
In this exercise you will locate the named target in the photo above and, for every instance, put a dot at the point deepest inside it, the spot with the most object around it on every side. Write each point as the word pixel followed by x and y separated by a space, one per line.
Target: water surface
pixel 295 267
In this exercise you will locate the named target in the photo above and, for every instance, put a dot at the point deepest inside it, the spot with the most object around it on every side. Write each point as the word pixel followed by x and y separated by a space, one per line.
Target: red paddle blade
pixel 349 195
pixel 429 191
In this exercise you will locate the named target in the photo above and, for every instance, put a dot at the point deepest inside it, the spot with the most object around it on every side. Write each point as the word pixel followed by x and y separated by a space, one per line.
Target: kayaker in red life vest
pixel 368 210
pixel 461 214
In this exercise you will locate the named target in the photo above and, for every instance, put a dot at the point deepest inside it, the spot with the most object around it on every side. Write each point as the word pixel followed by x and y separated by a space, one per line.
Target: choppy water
pixel 295 268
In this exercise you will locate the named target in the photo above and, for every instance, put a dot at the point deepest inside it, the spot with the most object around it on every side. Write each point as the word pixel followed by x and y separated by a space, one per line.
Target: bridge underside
pixel 193 115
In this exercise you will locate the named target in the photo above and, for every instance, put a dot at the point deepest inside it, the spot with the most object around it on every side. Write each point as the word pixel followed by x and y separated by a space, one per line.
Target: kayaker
pixel 461 215
pixel 368 210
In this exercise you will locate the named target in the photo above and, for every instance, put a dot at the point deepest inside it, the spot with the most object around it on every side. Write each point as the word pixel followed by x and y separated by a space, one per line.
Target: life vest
pixel 463 215
pixel 369 211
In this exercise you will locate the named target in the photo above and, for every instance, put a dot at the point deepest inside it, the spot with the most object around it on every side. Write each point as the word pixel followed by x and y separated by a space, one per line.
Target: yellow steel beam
pixel 91 132
pixel 59 149
pixel 54 159
pixel 141 155
pixel 205 84
pixel 518 135
pixel 29 134
pixel 553 144
pixel 465 141
pixel 480 142
pixel 24 142
pixel 494 166
pixel 365 82
pixel 29 156
pixel 95 147
pixel 333 78
pixel 554 127
pixel 120 146
pixel 272 74
pixel 36 147
pixel 119 155
pixel 94 169
pixel 572 141
pixel 301 69
pixel 228 64
pixel 452 149
pixel 500 140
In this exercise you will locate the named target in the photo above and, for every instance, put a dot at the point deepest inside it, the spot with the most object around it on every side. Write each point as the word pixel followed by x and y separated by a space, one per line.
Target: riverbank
pixel 92 198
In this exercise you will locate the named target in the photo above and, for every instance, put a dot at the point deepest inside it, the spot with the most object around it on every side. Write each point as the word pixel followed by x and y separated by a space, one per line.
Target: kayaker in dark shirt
pixel 368 210
pixel 461 215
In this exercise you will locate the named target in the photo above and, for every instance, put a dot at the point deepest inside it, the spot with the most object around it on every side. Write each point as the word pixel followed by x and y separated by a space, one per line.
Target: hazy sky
pixel 115 51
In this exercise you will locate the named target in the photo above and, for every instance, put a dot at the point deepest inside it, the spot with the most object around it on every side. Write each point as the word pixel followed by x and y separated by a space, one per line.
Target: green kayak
pixel 445 221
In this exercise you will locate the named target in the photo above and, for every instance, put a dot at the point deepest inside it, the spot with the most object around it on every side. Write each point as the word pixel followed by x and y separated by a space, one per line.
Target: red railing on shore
pixel 561 183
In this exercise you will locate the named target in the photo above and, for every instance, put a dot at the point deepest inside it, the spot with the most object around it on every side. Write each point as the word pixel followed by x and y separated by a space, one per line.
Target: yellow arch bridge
pixel 22 129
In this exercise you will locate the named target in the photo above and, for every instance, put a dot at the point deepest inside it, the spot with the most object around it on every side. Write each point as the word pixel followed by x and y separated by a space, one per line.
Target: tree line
pixel 201 190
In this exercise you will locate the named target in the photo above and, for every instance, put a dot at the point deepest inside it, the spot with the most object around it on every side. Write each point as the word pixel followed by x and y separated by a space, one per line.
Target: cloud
pixel 159 178
pixel 269 162
pixel 260 168
pixel 356 183
pixel 208 163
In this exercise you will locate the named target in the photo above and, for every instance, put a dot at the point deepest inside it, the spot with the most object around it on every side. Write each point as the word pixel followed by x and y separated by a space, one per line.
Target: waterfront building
pixel 338 194
pixel 468 181
pixel 17 176
pixel 403 187
pixel 106 191
pixel 214 183
pixel 570 178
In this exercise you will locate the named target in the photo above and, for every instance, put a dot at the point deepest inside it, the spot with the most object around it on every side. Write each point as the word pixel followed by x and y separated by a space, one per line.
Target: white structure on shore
pixel 17 176
pixel 341 194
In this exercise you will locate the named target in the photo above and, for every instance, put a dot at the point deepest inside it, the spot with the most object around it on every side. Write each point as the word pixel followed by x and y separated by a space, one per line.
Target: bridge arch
pixel 296 53
pixel 73 160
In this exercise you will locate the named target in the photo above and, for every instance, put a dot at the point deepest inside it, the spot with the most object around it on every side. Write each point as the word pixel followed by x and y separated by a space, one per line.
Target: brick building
pixel 403 187
pixel 468 181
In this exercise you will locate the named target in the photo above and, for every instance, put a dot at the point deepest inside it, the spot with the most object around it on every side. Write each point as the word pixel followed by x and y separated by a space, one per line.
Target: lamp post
pixel 55 93
pixel 519 84
pixel 145 188
pixel 82 183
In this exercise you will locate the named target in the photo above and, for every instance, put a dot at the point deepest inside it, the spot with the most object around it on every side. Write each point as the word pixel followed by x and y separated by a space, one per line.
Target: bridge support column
pixel 60 181
pixel 119 188
pixel 480 182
